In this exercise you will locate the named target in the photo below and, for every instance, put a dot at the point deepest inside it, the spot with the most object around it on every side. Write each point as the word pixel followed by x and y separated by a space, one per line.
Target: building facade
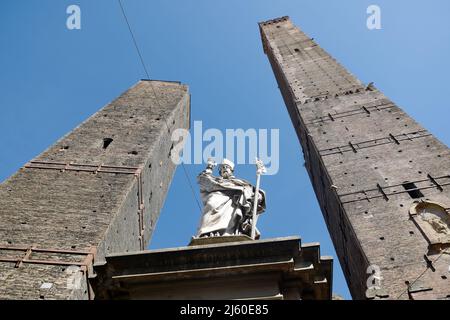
pixel 381 179
pixel 226 269
pixel 95 192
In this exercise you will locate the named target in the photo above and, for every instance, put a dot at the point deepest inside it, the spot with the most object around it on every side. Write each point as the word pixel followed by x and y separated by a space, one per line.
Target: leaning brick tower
pixel 95 192
pixel 381 179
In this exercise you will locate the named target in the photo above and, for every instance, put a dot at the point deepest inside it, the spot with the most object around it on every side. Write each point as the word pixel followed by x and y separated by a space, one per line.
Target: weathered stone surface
pixel 359 150
pixel 85 206
pixel 277 268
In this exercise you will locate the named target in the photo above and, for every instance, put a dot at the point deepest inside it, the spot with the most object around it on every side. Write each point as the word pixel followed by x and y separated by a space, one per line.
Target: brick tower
pixel 95 192
pixel 381 179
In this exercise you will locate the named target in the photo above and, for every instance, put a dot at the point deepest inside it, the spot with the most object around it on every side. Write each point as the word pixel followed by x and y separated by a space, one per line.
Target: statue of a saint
pixel 228 202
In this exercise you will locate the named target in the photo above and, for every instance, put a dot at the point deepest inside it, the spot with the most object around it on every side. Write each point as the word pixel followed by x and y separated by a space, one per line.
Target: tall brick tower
pixel 381 179
pixel 95 192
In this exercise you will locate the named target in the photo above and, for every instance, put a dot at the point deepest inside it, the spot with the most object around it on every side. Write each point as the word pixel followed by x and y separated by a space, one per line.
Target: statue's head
pixel 226 169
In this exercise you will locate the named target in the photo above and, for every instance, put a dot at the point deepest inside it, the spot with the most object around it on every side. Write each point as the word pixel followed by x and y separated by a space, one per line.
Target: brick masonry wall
pixel 79 210
pixel 357 145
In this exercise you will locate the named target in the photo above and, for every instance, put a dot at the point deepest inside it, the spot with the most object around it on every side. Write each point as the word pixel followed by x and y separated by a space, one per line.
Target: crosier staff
pixel 260 169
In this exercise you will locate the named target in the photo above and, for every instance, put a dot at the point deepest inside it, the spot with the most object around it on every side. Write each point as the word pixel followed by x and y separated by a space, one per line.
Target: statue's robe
pixel 227 203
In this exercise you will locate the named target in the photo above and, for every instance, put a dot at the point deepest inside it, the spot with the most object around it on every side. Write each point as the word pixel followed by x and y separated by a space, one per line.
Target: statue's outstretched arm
pixel 206 180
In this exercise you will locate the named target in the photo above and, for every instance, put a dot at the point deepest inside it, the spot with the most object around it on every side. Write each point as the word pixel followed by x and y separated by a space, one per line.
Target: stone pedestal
pixel 223 239
pixel 279 268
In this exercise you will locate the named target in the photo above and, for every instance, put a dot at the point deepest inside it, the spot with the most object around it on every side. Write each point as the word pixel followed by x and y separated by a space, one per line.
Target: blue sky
pixel 52 78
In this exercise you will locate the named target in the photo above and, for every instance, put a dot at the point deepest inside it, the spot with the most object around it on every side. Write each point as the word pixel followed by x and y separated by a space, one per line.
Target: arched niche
pixel 433 219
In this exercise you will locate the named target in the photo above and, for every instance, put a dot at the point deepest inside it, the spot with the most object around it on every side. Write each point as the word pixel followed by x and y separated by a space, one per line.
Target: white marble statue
pixel 228 202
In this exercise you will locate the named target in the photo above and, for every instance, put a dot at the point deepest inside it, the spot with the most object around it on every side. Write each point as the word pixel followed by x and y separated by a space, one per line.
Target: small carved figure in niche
pixel 438 221
pixel 433 219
